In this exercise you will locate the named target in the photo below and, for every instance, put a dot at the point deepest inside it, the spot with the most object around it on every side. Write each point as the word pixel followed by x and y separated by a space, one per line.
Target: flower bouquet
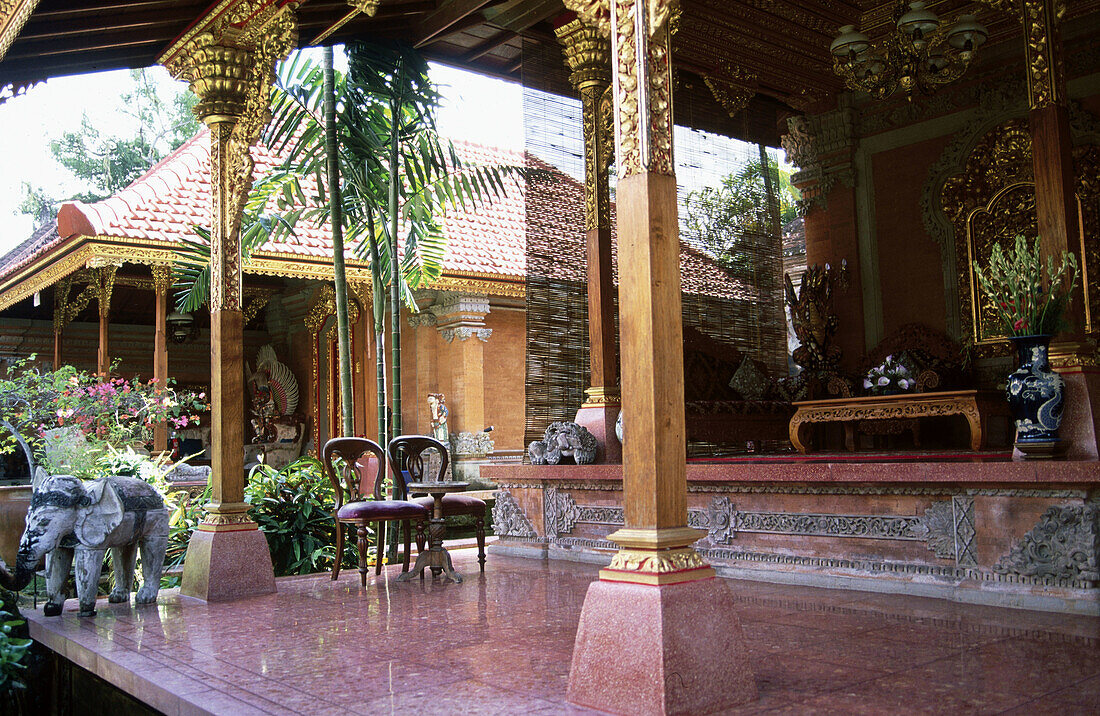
pixel 1023 301
pixel 889 378
pixel 74 417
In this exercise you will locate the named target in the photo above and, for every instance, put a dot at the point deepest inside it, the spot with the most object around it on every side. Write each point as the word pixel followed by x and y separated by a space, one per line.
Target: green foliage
pixel 293 507
pixel 728 218
pixel 1023 300
pixel 13 650
pixel 107 163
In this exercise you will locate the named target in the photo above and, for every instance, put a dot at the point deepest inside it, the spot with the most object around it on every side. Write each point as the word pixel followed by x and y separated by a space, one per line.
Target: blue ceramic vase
pixel 1036 393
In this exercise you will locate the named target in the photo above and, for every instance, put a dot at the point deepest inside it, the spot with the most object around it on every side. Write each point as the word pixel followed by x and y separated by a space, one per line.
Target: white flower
pixel 903 384
pixel 866 382
pixel 883 381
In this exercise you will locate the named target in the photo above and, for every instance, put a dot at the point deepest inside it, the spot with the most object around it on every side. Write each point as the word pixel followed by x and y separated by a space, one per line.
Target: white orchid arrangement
pixel 891 376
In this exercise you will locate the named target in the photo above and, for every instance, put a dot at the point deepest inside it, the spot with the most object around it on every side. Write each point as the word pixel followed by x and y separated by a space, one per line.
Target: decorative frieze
pixel 509 519
pixel 463 332
pixel 1064 545
pixel 822 147
pixel 965 530
pixel 471 445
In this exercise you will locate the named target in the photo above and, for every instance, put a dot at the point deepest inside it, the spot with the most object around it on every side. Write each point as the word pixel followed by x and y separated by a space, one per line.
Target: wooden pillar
pixel 588 54
pixel 1051 144
pixel 1058 218
pixel 104 278
pixel 230 66
pixel 162 281
pixel 678 647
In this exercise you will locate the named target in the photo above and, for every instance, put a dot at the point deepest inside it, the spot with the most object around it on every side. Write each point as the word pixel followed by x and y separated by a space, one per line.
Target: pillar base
pixel 667 649
pixel 599 419
pixel 225 565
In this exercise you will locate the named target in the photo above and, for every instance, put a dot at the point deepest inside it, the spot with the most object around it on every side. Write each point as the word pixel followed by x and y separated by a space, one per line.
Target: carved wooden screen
pixel 991 201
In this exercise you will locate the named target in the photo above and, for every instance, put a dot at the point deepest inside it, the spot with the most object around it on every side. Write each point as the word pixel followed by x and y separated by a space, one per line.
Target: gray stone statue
pixel 561 441
pixel 73 518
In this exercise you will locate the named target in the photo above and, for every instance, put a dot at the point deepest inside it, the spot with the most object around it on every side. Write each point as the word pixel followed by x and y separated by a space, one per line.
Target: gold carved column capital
pixel 587 53
pixel 641 46
pixel 103 278
pixel 229 61
pixel 162 278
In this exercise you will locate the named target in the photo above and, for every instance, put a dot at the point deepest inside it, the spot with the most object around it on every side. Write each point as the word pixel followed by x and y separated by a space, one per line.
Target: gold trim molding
pixel 13 16
pixel 657 567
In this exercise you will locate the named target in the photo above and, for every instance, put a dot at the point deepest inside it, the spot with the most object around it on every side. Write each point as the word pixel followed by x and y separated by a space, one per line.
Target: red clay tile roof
pixel 165 203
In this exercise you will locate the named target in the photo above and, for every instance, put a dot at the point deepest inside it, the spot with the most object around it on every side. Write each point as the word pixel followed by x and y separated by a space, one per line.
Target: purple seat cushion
pixel 454 505
pixel 382 510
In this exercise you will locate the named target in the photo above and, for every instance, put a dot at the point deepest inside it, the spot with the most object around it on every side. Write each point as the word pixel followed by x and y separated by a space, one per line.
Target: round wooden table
pixel 437 557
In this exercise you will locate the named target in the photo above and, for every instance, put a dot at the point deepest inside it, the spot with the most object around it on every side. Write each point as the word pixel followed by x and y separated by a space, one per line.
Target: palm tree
pixel 395 174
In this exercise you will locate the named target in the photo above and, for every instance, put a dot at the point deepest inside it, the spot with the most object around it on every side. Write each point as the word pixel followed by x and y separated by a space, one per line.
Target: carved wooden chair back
pixel 410 453
pixel 351 478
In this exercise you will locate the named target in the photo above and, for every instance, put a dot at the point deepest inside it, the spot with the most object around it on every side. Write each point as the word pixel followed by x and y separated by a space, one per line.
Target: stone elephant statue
pixel 73 518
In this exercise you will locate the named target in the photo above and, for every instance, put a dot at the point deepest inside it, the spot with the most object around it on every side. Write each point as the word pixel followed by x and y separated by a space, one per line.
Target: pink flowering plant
pixel 105 412
pixel 1026 302
pixel 890 377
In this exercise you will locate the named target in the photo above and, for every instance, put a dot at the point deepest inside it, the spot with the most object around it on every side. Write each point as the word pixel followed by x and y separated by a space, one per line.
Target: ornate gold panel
pixel 991 201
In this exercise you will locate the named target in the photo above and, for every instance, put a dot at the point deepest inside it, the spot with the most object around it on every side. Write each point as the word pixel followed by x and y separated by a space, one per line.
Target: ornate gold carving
pixel 255 303
pixel 594 13
pixel 13 16
pixel 669 566
pixel 643 89
pixel 64 310
pixel 162 278
pixel 588 54
pixel 321 308
pixel 230 66
pixel 1046 79
pixel 602 395
pixel 990 201
pixel 220 519
pixel 103 280
pixel 898 407
pixel 367 7
pixel 732 87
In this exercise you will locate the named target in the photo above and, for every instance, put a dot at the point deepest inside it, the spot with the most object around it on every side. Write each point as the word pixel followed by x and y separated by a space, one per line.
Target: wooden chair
pixel 409 464
pixel 354 506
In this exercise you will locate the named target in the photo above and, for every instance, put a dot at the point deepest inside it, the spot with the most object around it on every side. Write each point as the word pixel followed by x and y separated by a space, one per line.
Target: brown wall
pixel 909 261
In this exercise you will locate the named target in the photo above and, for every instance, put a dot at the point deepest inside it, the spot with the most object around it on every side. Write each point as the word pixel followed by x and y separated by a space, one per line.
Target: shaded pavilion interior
pixel 771 64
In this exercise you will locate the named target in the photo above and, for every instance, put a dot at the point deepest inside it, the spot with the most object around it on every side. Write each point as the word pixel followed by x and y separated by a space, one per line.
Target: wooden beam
pixel 446 18
pixel 489 45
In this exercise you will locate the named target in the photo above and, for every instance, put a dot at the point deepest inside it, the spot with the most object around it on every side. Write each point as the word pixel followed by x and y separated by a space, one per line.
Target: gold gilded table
pixel 437 557
pixel 974 405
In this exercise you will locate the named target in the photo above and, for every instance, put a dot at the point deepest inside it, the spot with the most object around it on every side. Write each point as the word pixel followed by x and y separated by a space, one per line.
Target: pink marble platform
pixel 501 643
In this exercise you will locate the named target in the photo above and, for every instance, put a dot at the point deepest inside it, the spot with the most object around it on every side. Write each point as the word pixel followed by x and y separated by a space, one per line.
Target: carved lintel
pixel 471 445
pixel 13 16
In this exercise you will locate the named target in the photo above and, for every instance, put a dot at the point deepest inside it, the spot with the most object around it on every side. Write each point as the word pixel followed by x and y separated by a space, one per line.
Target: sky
pixel 475 108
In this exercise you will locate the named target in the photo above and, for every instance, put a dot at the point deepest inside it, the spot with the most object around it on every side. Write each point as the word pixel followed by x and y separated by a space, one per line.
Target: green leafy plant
pixel 293 507
pixel 1023 300
pixel 13 650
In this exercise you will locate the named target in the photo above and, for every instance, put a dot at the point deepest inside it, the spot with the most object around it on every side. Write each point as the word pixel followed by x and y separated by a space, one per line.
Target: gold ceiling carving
pixel 732 87
pixel 990 201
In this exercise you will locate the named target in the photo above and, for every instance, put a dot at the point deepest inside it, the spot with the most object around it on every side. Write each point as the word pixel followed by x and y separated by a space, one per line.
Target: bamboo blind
pixel 743 309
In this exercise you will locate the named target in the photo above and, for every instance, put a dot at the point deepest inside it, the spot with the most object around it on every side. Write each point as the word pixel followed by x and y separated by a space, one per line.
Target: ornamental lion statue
pixel 564 440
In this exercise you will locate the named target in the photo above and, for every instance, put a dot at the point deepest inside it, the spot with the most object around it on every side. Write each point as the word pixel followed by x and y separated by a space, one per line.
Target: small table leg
pixel 437 558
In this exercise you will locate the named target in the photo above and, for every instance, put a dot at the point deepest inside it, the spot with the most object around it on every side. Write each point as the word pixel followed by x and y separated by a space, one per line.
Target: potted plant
pixel 1031 308
pixel 890 378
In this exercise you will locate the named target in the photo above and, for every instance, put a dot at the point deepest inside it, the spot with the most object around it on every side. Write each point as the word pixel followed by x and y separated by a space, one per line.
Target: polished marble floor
pixel 500 643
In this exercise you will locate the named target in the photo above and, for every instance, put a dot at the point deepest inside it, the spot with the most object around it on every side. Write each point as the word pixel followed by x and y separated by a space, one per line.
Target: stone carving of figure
pixel 437 405
pixel 562 441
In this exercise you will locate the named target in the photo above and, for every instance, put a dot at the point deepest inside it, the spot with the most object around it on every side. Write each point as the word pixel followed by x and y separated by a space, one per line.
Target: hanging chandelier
pixel 922 55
